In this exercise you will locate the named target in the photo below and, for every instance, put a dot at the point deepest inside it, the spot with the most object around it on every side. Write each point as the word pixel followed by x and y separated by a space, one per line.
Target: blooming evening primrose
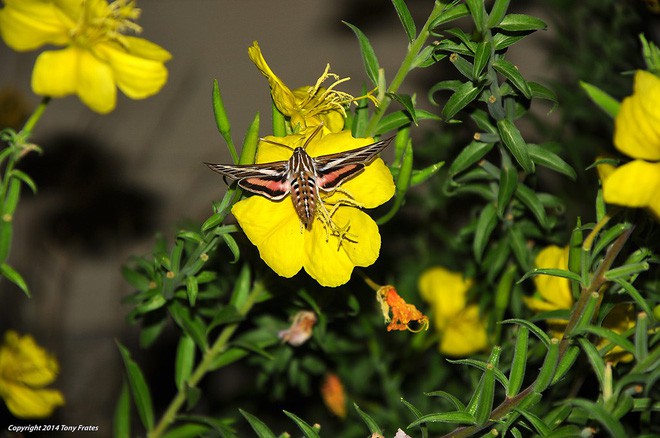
pixel 97 56
pixel 554 293
pixel 637 134
pixel 461 328
pixel 338 240
pixel 25 370
pixel 310 105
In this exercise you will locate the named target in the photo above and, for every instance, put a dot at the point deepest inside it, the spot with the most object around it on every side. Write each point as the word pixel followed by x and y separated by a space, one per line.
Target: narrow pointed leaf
pixel 258 426
pixel 485 225
pixel 139 388
pixel 12 275
pixel 371 64
pixel 250 142
pixel 447 396
pixel 549 367
pixel 184 361
pixel 613 337
pixel 481 58
pixel 541 428
pixel 552 271
pixel 462 97
pixel 487 390
pixel 507 186
pixel 497 13
pixel 305 428
pixel 566 362
pixel 459 10
pixel 546 158
pixel 543 337
pixel 121 424
pixel 604 101
pixel 531 200
pixel 521 23
pixel 371 424
pixel 514 142
pixel 405 18
pixel 519 362
pixel 510 71
pixel 445 417
pixel 598 413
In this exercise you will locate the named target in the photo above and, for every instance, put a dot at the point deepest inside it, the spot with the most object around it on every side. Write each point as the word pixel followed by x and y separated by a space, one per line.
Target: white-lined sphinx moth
pixel 302 176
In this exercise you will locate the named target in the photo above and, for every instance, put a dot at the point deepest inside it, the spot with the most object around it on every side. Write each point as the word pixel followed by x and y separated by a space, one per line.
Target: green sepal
pixel 222 121
pixel 250 143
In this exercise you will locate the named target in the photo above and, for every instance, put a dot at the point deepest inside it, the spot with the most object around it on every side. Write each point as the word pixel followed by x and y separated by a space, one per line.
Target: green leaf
pixel 613 337
pixel 635 295
pixel 371 424
pixel 305 428
pixel 462 97
pixel 541 428
pixel 595 359
pixel 458 10
pixel 471 154
pixel 121 423
pixel 11 199
pixel 25 179
pixel 487 389
pixel 464 67
pixel 478 12
pixel 407 102
pixel 504 40
pixel 456 417
pixel 548 368
pixel 485 225
pixel 139 388
pixel 566 362
pixel 258 426
pixel 552 271
pixel 426 57
pixel 483 366
pixel 531 200
pixel 371 64
pixel 416 412
pixel 192 289
pixel 361 119
pixel 187 431
pixel 401 118
pixel 10 274
pixel 497 13
pixel 232 245
pixel 184 362
pixel 402 184
pixel 406 19
pixel 626 271
pixel 507 184
pixel 604 101
pixel 6 235
pixel 447 396
pixel 543 337
pixel 519 362
pixel 546 158
pixel 519 247
pixel 514 142
pixel 598 413
pixel 420 176
pixel 542 92
pixel 521 23
pixel 481 57
pixel 241 288
pixel 510 71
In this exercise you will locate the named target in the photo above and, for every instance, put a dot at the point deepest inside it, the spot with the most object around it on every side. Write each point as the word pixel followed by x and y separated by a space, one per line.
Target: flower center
pixel 103 22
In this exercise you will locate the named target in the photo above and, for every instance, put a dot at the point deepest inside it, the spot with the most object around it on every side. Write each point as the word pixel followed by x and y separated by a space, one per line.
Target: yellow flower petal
pixel 445 290
pixel 29 24
pixel 146 49
pixel 330 263
pixel 137 77
pixel 282 95
pixel 554 290
pixel 63 72
pixel 635 184
pixel 25 402
pixel 465 335
pixel 274 228
pixel 637 125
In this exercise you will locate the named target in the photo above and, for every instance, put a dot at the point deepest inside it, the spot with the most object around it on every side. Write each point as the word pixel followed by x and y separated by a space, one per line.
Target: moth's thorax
pixel 302 170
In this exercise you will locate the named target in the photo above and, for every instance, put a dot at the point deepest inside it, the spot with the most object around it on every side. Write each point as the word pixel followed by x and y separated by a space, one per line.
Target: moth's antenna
pixel 316 131
pixel 309 139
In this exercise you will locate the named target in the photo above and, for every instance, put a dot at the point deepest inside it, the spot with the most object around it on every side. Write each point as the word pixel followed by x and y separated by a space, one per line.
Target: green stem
pixel 34 118
pixel 218 347
pixel 406 66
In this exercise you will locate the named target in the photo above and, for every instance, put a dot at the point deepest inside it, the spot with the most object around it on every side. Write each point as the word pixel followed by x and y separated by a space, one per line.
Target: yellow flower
pixel 461 328
pixel 310 105
pixel 97 57
pixel 25 370
pixel 339 239
pixel 554 293
pixel 637 134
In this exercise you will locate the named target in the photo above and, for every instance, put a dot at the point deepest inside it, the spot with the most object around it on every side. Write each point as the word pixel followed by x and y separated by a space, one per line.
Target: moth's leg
pixel 331 228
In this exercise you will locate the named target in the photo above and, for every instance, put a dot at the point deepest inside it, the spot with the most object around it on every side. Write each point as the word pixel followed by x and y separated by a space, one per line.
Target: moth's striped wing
pixel 334 169
pixel 268 179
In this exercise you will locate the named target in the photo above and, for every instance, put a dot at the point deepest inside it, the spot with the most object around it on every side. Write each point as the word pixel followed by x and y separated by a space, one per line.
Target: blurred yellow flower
pixel 637 134
pixel 461 327
pixel 554 293
pixel 310 105
pixel 332 246
pixel 97 57
pixel 25 370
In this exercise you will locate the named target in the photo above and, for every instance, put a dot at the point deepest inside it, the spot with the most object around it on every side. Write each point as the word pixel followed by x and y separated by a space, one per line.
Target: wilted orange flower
pixel 334 396
pixel 402 313
pixel 300 330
